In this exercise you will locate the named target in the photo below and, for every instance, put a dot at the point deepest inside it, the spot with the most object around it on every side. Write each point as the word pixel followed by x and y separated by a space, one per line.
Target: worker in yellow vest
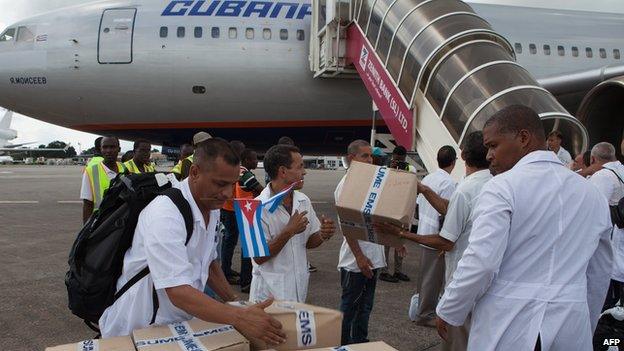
pixel 186 160
pixel 140 162
pixel 97 154
pixel 96 178
pixel 181 170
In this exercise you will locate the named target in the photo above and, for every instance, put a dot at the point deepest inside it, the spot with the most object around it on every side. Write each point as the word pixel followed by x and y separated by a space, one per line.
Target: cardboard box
pixel 306 326
pixel 122 343
pixel 370 346
pixel 376 194
pixel 192 335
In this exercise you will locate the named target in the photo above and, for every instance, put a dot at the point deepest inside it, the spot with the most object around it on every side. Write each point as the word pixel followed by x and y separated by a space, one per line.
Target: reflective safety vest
pixel 177 169
pixel 98 179
pixel 133 168
pixel 94 161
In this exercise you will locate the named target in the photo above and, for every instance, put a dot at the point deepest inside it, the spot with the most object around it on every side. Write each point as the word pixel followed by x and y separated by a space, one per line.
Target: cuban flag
pixel 249 220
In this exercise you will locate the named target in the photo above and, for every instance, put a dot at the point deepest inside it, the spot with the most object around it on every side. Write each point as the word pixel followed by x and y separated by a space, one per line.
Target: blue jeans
pixel 358 294
pixel 230 239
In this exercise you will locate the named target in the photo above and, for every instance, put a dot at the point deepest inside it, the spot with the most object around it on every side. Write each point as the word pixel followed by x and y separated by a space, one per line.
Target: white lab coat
pixel 285 276
pixel 564 156
pixel 613 189
pixel 538 261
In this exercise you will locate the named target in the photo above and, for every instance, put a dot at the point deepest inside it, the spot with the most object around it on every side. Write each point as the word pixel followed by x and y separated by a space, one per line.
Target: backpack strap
pixel 130 283
pixel 617 175
pixel 175 195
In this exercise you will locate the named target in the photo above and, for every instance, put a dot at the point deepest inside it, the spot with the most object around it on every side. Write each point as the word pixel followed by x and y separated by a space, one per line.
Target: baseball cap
pixel 200 137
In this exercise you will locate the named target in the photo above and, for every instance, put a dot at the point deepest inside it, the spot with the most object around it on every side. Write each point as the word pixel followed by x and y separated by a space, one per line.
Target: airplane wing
pixel 580 81
pixel 14 146
pixel 22 150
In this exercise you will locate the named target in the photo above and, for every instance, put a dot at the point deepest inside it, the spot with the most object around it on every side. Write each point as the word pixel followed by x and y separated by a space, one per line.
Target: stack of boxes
pixel 306 327
pixel 370 194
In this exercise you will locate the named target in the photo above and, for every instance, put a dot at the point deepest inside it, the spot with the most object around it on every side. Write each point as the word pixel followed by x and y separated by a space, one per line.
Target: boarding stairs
pixel 434 68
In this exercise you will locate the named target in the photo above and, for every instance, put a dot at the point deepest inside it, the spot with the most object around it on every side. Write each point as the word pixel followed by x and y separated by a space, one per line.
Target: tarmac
pixel 40 215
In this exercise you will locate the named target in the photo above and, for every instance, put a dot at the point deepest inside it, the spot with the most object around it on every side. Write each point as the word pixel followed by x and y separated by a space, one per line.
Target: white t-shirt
pixel 611 187
pixel 458 220
pixel 564 156
pixel 428 218
pixel 374 252
pixel 159 243
pixel 285 276
pixel 85 190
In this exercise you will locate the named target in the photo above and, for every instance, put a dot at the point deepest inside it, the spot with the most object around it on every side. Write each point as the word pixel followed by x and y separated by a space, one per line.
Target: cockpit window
pixel 8 35
pixel 24 34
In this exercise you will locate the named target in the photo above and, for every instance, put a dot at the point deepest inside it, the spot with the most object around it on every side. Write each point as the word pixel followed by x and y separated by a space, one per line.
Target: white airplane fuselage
pixel 105 67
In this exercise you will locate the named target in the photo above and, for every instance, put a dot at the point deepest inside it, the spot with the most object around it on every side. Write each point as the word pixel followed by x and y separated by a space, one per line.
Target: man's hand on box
pixel 365 265
pixel 328 228
pixel 389 228
pixel 254 323
pixel 297 223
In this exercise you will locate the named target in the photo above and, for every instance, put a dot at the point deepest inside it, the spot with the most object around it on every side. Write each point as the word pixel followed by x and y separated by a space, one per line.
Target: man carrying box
pixel 291 230
pixel 453 237
pixel 172 291
pixel 434 192
pixel 398 161
pixel 359 265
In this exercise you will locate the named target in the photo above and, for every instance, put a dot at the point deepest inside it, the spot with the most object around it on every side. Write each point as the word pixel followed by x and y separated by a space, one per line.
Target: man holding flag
pixel 287 219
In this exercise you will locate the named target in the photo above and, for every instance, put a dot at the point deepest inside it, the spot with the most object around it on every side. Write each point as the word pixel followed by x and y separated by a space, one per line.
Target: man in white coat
pixel 454 234
pixel 538 262
pixel 291 230
pixel 609 179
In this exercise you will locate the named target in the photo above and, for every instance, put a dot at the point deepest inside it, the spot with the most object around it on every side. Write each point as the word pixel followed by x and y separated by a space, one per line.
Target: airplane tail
pixel 5 122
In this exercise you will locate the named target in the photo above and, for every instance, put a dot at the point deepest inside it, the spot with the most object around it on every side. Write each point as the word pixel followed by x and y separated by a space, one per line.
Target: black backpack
pixel 617 211
pixel 96 257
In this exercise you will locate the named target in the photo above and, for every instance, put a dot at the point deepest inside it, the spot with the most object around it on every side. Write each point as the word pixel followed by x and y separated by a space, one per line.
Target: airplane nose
pixel 24 68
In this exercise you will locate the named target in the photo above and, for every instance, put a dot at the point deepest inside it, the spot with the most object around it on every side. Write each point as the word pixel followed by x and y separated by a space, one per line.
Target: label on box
pixel 341 348
pixel 374 192
pixel 187 340
pixel 88 345
pixel 184 336
pixel 306 328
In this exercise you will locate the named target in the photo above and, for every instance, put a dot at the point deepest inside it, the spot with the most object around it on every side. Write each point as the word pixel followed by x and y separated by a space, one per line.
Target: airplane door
pixel 116 36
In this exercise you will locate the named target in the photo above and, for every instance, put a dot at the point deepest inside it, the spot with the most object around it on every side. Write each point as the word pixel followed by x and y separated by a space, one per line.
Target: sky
pixel 31 130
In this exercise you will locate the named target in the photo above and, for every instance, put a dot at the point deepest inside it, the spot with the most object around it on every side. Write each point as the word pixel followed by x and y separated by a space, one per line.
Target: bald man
pixel 538 263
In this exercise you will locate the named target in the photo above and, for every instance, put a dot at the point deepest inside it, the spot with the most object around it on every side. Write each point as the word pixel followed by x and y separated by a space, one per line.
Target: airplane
pixel 6 160
pixel 7 134
pixel 165 69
